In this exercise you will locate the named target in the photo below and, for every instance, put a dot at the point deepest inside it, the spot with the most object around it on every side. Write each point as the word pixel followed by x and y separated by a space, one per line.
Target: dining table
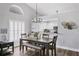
pixel 41 41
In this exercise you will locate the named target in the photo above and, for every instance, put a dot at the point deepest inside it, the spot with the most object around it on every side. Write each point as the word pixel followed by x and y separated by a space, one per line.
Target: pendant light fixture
pixel 36 14
pixel 37 19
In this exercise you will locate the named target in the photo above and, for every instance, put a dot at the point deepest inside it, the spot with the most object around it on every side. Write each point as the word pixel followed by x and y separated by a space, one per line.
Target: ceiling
pixel 49 9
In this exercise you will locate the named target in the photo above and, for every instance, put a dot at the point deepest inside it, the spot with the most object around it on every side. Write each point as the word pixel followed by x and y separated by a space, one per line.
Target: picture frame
pixel 3 30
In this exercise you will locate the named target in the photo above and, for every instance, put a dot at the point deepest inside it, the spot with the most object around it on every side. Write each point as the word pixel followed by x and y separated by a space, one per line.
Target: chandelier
pixel 37 19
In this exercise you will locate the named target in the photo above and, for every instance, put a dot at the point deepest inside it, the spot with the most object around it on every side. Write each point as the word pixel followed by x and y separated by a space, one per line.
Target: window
pixel 16 28
pixel 45 24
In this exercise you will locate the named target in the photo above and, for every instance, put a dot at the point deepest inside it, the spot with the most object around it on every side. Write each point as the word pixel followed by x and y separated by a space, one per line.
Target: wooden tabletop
pixel 41 40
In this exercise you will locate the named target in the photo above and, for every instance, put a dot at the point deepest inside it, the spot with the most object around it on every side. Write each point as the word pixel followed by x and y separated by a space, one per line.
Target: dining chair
pixel 23 35
pixel 53 45
pixel 55 28
pixel 46 33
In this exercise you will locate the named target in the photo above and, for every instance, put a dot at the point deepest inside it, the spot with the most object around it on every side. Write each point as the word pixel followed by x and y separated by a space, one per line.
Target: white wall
pixel 5 15
pixel 69 39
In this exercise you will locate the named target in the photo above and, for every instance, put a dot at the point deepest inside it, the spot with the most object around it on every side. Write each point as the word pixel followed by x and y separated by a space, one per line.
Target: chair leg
pixel 22 48
pixel 35 51
pixel 52 52
pixel 55 51
pixel 26 48
pixel 40 52
pixel 44 51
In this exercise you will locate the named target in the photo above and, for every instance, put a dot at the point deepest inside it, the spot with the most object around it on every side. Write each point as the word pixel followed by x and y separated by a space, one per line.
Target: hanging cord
pixel 36 13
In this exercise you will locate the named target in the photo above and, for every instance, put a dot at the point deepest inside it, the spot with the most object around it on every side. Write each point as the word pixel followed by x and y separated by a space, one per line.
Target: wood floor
pixel 31 52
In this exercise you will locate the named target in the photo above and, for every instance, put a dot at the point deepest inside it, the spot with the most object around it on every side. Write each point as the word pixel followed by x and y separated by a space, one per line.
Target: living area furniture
pixel 55 28
pixel 53 43
pixel 33 46
pixel 45 35
pixel 40 41
pixel 4 45
pixel 24 35
pixel 29 44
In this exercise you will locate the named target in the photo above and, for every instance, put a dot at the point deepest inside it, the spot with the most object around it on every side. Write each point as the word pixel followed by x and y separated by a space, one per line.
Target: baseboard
pixel 62 47
pixel 67 48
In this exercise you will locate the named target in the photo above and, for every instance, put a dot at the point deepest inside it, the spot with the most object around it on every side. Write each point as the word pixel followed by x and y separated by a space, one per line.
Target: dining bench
pixel 29 45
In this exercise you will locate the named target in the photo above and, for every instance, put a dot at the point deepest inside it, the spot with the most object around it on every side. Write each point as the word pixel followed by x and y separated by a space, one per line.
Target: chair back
pixel 54 39
pixel 55 29
pixel 45 35
pixel 23 35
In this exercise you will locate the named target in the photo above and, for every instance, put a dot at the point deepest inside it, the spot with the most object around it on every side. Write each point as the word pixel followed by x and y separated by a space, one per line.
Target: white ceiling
pixel 47 9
